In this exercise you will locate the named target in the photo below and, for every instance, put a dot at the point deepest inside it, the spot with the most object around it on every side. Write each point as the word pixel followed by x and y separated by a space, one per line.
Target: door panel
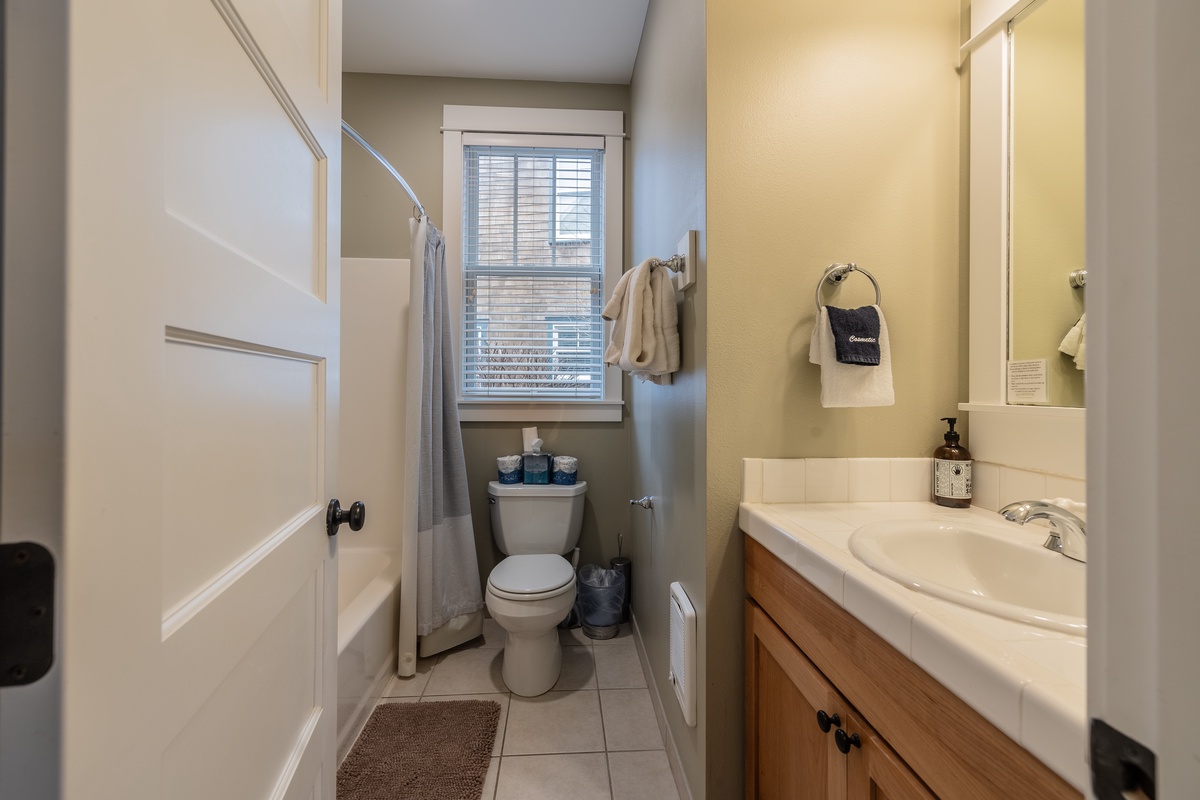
pixel 217 401
pixel 218 749
pixel 202 359
pixel 232 131
pixel 294 34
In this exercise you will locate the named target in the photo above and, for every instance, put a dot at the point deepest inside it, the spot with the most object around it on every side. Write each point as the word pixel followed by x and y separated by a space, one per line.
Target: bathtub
pixel 368 605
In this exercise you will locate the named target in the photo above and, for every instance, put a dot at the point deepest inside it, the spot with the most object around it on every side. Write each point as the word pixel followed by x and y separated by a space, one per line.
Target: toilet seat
pixel 531 577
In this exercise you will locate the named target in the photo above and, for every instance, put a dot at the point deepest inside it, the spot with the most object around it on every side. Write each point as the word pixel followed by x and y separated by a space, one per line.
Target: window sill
pixel 540 411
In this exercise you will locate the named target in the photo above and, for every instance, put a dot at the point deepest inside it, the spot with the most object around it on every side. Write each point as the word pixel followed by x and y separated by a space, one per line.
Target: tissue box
pixel 537 468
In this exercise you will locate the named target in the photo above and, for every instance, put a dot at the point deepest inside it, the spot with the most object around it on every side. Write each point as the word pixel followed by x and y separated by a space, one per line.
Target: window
pixel 533 247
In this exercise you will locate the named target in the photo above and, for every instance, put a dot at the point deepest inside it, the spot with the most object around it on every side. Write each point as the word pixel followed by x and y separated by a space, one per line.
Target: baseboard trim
pixel 681 782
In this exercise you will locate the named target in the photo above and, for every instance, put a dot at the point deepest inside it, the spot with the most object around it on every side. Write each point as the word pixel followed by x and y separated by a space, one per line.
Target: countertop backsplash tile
pixel 858 480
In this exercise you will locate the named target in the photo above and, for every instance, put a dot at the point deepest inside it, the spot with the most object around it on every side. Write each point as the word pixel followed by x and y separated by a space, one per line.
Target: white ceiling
pixel 592 41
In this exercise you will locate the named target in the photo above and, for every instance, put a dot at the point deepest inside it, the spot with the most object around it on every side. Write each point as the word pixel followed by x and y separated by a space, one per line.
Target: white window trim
pixel 459 122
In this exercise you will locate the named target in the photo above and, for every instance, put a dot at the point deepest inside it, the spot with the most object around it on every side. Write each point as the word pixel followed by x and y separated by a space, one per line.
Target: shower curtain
pixel 445 581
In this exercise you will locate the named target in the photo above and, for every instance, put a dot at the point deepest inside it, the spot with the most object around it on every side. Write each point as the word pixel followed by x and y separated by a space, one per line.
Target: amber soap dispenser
pixel 952 471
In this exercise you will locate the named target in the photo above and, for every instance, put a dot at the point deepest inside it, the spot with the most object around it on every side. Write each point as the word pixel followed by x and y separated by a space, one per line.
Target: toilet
pixel 533 588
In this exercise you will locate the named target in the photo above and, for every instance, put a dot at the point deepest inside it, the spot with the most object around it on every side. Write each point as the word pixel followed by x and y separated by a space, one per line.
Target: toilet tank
pixel 529 519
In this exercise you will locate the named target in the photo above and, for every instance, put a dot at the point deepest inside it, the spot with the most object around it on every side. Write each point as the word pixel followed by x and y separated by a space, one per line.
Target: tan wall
pixel 1048 186
pixel 603 452
pixel 833 135
pixel 401 116
pixel 667 149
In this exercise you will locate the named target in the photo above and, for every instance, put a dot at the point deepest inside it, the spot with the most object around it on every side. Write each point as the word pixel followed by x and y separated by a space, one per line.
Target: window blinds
pixel 533 272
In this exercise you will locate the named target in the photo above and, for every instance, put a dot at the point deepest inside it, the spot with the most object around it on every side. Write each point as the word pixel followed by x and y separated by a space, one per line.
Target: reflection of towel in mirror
pixel 645 332
pixel 849 385
pixel 1075 343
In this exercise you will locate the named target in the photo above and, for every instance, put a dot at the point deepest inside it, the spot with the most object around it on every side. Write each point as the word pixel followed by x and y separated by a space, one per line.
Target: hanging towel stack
pixel 645 332
pixel 1075 343
pixel 851 346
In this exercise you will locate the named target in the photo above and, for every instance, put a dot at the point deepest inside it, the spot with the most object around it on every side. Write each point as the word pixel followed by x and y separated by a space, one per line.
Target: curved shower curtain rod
pixel 353 134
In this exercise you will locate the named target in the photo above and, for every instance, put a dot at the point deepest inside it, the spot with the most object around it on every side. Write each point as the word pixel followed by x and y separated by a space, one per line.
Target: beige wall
pixel 1047 202
pixel 833 135
pixel 401 116
pixel 603 452
pixel 667 423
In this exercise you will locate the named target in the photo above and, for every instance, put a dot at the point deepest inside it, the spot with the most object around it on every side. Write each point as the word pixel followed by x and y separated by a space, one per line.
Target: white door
pixel 198 625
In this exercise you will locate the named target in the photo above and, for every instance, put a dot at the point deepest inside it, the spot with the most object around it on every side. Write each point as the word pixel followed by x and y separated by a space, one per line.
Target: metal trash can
pixel 600 596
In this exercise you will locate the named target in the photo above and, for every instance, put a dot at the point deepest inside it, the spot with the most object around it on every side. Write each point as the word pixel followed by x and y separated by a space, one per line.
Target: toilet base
pixel 531 663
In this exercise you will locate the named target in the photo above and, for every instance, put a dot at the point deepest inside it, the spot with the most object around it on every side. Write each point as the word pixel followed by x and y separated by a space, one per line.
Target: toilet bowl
pixel 528 596
pixel 533 589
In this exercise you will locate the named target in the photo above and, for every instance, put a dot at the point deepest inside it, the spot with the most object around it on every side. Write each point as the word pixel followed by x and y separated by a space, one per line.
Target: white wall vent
pixel 683 652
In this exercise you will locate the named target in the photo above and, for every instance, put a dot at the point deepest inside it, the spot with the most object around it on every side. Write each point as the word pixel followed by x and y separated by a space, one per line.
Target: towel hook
pixel 836 273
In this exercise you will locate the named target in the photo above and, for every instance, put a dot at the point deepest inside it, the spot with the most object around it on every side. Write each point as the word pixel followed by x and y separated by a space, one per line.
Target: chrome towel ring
pixel 836 273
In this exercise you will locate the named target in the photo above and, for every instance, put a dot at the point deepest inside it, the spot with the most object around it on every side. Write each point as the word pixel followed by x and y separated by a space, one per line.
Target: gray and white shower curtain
pixel 447 573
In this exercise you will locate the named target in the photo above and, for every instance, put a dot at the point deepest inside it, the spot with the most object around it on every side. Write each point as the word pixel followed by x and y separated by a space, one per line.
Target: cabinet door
pixel 788 756
pixel 874 772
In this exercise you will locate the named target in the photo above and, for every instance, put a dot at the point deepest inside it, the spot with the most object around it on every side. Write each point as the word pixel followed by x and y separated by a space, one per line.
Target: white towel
pixel 851 385
pixel 645 332
pixel 627 309
pixel 1075 342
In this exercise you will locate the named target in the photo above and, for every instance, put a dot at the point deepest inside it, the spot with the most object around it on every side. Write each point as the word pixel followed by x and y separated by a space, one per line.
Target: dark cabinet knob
pixel 355 516
pixel 845 741
pixel 826 722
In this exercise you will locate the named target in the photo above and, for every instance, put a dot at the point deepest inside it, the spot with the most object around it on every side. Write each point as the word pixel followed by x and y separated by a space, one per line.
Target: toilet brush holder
pixel 625 567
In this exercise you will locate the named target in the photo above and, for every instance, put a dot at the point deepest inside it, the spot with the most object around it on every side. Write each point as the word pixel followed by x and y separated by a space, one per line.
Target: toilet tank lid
pixel 497 489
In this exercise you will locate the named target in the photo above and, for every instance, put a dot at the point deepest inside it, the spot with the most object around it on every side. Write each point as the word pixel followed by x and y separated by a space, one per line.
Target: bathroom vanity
pixel 857 687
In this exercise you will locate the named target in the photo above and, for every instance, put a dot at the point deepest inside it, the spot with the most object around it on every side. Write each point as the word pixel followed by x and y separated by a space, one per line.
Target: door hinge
pixel 26 613
pixel 1122 768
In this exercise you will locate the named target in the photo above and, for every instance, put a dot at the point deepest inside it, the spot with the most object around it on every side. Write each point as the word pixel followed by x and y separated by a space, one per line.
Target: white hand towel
pixel 645 333
pixel 631 309
pixel 666 327
pixel 851 385
pixel 1075 342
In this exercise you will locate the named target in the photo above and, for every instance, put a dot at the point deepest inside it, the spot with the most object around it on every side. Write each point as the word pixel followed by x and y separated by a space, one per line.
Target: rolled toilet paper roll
pixel 508 469
pixel 565 468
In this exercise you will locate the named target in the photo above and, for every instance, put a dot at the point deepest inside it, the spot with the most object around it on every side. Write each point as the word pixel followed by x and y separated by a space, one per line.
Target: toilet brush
pixel 626 568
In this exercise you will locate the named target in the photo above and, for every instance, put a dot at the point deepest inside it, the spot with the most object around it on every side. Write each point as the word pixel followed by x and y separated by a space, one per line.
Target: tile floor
pixel 592 737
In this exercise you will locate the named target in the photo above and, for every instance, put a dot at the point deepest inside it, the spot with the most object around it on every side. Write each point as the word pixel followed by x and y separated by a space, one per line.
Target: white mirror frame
pixel 1041 438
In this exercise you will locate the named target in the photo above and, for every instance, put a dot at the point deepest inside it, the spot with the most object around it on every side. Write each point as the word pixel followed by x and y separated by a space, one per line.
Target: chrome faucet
pixel 1068 533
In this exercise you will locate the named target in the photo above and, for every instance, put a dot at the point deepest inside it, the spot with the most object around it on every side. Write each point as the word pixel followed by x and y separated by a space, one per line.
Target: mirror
pixel 1046 197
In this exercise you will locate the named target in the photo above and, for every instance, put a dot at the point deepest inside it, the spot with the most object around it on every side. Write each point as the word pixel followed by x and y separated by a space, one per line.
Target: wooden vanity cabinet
pixel 875 772
pixel 794 754
pixel 907 737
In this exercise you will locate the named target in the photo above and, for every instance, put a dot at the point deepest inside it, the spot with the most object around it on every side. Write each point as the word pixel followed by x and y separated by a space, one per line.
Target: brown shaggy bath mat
pixel 421 751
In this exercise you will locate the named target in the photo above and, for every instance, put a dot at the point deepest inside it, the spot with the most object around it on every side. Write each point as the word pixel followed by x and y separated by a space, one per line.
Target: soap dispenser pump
pixel 952 471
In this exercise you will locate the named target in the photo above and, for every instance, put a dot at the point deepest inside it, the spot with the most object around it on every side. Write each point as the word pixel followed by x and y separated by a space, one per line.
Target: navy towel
pixel 855 335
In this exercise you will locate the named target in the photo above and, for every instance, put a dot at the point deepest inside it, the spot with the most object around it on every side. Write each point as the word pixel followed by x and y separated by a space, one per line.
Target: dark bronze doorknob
pixel 354 516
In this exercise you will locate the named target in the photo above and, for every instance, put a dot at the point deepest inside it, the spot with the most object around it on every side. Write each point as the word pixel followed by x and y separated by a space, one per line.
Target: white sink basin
pixel 1003 571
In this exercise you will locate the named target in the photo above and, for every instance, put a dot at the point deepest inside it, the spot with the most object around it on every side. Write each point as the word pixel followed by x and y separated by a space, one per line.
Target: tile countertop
pixel 1028 682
